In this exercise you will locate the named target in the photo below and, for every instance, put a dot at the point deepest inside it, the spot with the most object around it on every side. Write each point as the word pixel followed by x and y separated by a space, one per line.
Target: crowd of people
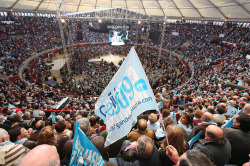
pixel 200 97
pixel 23 37
pixel 23 134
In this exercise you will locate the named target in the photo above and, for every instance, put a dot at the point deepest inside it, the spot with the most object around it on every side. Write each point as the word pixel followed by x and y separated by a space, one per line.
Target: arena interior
pixel 57 58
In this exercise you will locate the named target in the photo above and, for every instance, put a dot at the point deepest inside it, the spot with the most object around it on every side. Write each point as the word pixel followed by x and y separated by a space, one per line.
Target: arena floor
pixel 59 61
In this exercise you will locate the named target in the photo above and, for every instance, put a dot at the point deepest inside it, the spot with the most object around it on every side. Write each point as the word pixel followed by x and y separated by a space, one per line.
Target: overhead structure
pixel 217 10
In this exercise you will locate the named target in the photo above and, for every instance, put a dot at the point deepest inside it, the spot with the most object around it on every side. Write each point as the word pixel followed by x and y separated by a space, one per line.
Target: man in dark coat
pixel 207 119
pixel 239 137
pixel 147 153
pixel 215 146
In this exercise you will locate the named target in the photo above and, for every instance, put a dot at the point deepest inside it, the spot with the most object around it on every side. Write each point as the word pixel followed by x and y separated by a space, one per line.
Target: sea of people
pixel 201 99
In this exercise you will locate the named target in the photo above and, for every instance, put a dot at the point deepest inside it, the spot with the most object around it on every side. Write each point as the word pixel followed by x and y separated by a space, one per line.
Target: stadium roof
pixel 189 9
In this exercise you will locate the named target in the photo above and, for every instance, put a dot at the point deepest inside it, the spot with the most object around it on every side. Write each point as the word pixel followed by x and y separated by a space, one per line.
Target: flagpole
pixel 163 125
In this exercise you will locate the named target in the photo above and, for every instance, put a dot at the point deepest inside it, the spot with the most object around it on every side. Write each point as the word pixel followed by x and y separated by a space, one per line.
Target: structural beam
pixel 177 8
pixel 195 8
pixel 14 4
pixel 143 7
pixel 38 5
pixel 240 5
pixel 79 5
pixel 160 7
pixel 216 7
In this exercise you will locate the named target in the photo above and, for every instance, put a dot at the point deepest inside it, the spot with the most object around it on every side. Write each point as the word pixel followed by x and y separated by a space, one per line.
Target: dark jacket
pixel 240 142
pixel 218 154
pixel 153 160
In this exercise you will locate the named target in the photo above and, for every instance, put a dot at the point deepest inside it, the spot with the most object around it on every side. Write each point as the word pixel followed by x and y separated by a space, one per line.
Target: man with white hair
pixel 9 151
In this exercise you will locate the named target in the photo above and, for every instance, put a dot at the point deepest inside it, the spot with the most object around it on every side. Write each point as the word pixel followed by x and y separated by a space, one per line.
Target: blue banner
pixel 194 138
pixel 83 151
pixel 127 95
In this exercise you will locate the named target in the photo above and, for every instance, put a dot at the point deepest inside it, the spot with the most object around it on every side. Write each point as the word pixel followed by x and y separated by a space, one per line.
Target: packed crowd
pixel 23 135
pixel 197 102
pixel 23 38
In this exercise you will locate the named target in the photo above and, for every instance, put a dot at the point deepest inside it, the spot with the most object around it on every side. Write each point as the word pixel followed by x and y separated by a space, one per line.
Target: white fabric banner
pixel 127 96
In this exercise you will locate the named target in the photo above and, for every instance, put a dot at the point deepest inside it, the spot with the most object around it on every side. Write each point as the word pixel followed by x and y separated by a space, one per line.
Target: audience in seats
pixel 214 63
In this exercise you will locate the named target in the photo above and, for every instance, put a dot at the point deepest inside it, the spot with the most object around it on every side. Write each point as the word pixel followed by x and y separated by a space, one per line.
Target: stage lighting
pixel 99 20
pixel 164 22
pixel 62 20
pixel 139 22
pixel 11 10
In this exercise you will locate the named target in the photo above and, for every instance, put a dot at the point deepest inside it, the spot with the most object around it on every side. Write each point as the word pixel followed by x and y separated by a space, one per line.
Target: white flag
pixel 127 95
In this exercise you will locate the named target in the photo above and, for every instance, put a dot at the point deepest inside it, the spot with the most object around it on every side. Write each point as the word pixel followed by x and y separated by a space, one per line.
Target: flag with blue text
pixel 127 95
pixel 83 151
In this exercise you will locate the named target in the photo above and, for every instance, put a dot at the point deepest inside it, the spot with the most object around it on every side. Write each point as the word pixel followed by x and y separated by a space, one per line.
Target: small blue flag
pixel 231 110
pixel 12 106
pixel 53 118
pixel 194 138
pixel 198 90
pixel 240 82
pixel 160 104
pixel 84 152
pixel 174 118
pixel 230 122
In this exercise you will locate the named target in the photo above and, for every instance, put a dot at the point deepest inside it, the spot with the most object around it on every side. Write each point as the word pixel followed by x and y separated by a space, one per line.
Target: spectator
pixel 186 123
pixel 147 153
pixel 9 152
pixel 207 119
pixel 152 123
pixel 18 135
pixel 247 109
pixel 141 130
pixel 215 146
pixel 197 117
pixel 46 136
pixel 38 127
pixel 49 156
pixel 176 139
pixel 238 136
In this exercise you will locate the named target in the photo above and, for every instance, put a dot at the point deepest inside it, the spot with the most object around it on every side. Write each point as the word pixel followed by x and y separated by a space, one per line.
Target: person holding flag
pixel 83 151
pixel 127 95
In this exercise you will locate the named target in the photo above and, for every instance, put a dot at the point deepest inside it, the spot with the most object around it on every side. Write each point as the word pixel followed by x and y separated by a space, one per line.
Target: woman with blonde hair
pixel 46 136
pixel 175 137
